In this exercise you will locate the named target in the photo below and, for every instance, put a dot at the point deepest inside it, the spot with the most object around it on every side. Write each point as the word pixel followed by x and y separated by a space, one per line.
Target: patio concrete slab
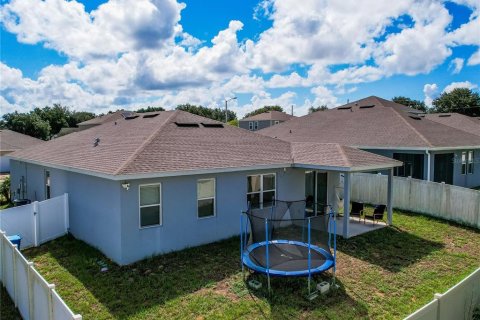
pixel 358 227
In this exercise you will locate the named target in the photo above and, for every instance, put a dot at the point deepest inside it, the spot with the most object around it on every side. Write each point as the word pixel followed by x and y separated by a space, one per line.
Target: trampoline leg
pixel 268 284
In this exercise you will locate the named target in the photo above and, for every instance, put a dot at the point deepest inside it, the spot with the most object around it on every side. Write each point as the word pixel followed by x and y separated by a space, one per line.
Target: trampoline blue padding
pixel 287 258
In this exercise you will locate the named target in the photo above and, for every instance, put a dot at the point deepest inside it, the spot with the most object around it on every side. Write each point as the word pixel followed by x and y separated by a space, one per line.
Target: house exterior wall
pixel 180 226
pixel 262 124
pixel 389 154
pixel 459 179
pixel 94 203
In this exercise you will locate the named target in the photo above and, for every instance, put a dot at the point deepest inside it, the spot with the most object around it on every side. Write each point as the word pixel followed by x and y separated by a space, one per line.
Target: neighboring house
pixel 94 122
pixel 11 141
pixel 441 148
pixel 264 120
pixel 162 181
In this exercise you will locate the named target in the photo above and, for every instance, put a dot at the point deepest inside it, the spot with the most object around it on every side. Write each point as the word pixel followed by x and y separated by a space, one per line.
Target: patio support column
pixel 346 204
pixel 390 197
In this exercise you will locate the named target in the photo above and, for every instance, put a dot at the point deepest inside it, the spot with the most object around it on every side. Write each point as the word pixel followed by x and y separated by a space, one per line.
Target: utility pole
pixel 226 107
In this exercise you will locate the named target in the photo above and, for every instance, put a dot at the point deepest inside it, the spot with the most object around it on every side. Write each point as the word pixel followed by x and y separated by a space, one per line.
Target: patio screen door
pixel 316 191
pixel 443 168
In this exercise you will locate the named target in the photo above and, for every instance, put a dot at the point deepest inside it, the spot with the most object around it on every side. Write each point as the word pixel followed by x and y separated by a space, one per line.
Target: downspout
pixel 428 163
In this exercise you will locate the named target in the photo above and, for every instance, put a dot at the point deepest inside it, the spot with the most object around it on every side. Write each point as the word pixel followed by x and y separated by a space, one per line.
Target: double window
pixel 467 162
pixel 261 190
pixel 48 192
pixel 150 205
pixel 253 125
pixel 206 198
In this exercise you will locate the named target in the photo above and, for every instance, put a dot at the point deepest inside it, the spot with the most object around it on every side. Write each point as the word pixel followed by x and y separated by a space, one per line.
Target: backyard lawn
pixel 385 274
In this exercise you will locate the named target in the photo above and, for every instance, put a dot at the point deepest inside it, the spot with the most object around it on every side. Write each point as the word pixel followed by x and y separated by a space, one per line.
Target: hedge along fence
pixel 440 200
pixel 34 297
pixel 461 301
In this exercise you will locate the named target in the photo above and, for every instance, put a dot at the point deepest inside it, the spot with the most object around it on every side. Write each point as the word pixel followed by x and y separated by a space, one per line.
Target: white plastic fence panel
pixel 427 312
pixel 8 267
pixel 52 218
pixel 460 301
pixel 19 220
pixel 22 284
pixel 60 309
pixel 41 296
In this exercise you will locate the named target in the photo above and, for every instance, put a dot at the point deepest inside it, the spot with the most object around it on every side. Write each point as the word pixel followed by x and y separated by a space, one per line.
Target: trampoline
pixel 288 239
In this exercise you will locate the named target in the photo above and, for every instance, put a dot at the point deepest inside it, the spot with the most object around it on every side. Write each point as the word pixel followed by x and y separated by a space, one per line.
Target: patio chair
pixel 357 210
pixel 377 214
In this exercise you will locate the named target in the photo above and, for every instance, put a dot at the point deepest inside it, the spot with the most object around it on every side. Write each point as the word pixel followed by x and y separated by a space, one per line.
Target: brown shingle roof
pixel 372 122
pixel 457 121
pixel 102 119
pixel 11 140
pixel 270 115
pixel 143 146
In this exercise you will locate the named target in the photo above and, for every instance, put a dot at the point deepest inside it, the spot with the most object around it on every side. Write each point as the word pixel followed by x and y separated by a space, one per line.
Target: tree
pixel 460 100
pixel 77 117
pixel 5 190
pixel 149 109
pixel 415 104
pixel 27 123
pixel 233 122
pixel 56 116
pixel 313 109
pixel 215 114
pixel 263 110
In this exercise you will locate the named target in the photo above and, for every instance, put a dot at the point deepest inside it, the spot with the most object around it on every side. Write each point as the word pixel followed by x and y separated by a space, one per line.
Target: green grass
pixel 385 274
pixel 7 308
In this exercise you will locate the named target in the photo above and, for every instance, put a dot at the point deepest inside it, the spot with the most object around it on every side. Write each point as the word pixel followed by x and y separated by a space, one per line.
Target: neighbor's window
pixel 47 185
pixel 470 162
pixel 206 198
pixel 255 125
pixel 261 190
pixel 150 205
pixel 250 125
pixel 464 162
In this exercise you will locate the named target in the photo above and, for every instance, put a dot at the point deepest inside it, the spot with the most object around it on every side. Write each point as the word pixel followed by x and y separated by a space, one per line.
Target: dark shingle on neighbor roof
pixel 161 144
pixel 386 124
pixel 102 119
pixel 11 140
pixel 270 115
pixel 457 121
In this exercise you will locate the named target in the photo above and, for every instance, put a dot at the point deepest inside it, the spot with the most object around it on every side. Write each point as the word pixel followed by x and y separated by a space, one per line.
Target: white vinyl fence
pixel 459 302
pixel 37 222
pixel 34 297
pixel 436 199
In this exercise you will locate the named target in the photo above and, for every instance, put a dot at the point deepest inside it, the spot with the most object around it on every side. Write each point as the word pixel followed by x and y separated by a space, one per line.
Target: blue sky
pixel 105 55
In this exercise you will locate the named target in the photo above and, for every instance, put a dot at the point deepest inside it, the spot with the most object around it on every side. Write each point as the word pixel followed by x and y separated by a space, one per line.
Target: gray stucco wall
pixel 181 228
pixel 262 124
pixel 94 203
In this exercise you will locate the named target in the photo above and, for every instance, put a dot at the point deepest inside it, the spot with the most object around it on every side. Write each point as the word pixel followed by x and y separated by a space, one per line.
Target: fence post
pixel 2 259
pixel 30 289
pixel 66 212
pixel 50 301
pixel 14 262
pixel 36 224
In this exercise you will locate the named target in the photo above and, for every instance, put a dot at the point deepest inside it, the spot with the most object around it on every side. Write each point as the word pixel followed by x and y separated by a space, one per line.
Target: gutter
pixel 418 148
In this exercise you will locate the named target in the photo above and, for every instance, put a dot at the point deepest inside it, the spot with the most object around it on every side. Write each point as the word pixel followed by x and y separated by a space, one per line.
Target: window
pixel 255 125
pixel 467 162
pixel 261 190
pixel 412 165
pixel 250 125
pixel 47 185
pixel 150 205
pixel 205 198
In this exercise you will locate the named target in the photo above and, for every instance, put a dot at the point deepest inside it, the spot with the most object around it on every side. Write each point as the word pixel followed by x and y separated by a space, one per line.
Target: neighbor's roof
pixel 167 143
pixel 373 122
pixel 457 121
pixel 270 115
pixel 103 119
pixel 11 140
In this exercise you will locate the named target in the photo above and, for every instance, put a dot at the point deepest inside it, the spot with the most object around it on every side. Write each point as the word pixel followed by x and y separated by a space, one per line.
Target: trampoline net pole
pixel 241 244
pixel 266 253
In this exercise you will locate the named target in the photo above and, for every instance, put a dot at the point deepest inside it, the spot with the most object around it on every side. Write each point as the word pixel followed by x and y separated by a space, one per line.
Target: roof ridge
pixel 145 143
pixel 411 127
pixel 342 153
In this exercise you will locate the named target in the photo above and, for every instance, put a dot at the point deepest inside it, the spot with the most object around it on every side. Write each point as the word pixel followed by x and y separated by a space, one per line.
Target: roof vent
pixel 344 108
pixel 367 106
pixel 212 125
pixel 128 114
pixel 416 117
pixel 153 115
pixel 187 124
pixel 444 115
pixel 96 141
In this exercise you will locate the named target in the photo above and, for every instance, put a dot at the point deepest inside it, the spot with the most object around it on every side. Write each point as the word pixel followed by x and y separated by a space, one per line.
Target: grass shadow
pixel 128 290
pixel 288 297
pixel 389 248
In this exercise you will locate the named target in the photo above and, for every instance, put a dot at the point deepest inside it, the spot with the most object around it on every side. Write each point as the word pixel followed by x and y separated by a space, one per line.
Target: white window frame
pixel 150 205
pixel 276 122
pixel 261 192
pixel 470 162
pixel 48 183
pixel 463 162
pixel 250 125
pixel 255 126
pixel 207 198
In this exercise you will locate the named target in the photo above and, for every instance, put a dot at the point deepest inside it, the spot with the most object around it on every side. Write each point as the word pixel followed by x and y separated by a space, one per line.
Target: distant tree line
pixel 263 110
